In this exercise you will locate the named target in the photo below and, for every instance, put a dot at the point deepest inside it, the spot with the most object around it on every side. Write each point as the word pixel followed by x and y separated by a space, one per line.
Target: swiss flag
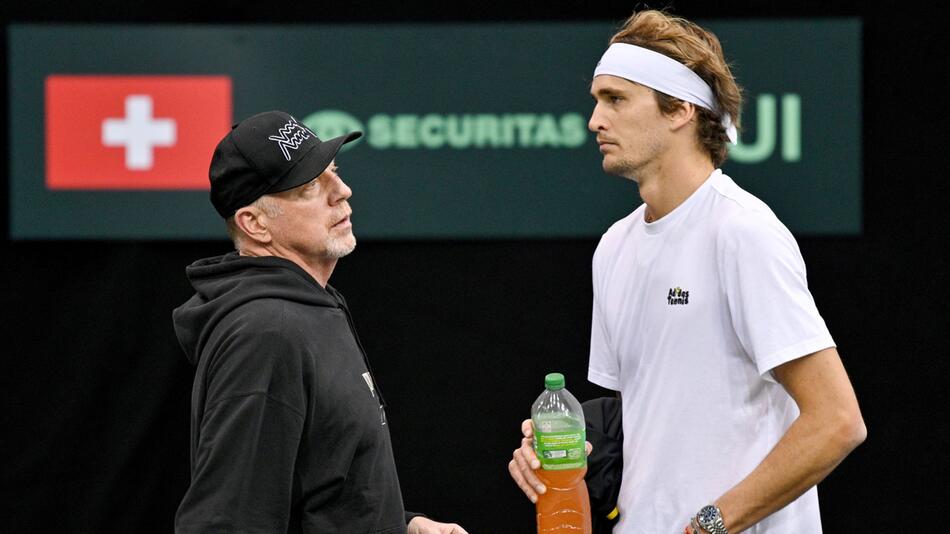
pixel 134 132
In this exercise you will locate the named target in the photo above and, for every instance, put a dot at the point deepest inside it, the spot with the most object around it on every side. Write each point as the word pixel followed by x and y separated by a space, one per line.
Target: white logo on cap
pixel 292 135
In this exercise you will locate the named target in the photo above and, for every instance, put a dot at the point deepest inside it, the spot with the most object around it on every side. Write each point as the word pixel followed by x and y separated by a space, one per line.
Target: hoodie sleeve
pixel 248 436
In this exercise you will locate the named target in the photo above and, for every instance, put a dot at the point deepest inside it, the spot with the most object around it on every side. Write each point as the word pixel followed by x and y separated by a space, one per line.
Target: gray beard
pixel 338 247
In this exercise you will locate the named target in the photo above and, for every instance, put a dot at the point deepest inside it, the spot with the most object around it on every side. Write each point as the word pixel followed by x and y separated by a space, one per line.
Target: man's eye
pixel 614 99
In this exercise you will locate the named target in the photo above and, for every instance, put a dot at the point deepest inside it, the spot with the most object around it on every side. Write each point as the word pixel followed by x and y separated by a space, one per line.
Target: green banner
pixel 472 130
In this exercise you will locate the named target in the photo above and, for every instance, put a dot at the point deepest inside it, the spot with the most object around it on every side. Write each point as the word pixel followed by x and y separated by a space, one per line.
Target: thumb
pixel 527 428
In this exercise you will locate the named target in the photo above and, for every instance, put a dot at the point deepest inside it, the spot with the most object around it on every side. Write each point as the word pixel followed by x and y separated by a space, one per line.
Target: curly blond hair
pixel 698 49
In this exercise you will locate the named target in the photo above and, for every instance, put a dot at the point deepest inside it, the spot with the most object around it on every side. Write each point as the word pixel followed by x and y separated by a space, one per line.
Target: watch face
pixel 707 515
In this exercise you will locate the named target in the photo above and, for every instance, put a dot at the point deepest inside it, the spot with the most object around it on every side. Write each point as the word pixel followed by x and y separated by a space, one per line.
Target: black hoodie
pixel 288 431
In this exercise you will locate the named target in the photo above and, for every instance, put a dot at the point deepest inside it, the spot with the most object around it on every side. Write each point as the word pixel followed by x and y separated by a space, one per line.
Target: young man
pixel 288 427
pixel 735 401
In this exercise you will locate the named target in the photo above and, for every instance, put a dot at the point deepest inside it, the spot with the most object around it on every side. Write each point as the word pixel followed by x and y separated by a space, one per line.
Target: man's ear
pixel 682 115
pixel 253 224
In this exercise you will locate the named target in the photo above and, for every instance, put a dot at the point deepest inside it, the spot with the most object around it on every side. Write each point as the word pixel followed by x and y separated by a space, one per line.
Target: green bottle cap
pixel 554 381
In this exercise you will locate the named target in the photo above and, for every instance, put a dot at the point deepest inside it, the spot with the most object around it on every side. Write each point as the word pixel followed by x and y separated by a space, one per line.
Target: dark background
pixel 96 390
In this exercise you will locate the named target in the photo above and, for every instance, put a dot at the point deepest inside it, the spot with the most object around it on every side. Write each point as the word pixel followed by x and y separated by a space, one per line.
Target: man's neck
pixel 319 270
pixel 671 180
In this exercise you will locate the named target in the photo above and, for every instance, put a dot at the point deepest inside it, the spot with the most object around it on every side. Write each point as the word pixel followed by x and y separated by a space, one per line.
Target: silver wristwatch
pixel 710 518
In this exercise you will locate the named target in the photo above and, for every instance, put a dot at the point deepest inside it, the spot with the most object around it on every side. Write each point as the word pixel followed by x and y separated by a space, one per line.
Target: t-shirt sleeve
pixel 763 275
pixel 248 437
pixel 604 368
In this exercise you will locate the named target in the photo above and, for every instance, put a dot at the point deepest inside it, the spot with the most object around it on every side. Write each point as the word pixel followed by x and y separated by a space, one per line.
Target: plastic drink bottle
pixel 559 436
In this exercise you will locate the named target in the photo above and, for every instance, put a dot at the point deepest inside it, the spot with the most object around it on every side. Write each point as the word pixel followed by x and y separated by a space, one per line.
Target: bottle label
pixel 561 450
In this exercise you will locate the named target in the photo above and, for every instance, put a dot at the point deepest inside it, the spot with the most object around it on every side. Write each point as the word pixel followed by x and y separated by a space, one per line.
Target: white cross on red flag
pixel 134 132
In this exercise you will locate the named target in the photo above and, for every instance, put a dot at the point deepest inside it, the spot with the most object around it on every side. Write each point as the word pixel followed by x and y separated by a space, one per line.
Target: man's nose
pixel 341 191
pixel 596 122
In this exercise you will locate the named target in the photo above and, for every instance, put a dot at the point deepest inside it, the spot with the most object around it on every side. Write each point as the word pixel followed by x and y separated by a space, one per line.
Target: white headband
pixel 663 74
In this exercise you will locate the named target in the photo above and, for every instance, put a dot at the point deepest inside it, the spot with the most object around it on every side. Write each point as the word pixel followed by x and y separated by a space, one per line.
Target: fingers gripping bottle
pixel 559 436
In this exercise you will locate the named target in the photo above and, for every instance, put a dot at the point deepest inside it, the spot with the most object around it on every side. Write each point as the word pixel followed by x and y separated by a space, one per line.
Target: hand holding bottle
pixel 550 465
pixel 525 462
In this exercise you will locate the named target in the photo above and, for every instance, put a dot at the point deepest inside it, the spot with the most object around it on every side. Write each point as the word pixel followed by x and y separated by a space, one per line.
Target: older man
pixel 288 427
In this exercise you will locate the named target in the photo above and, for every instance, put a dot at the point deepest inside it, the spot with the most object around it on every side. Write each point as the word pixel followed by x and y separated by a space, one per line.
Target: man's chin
pixel 613 167
pixel 337 248
pixel 623 169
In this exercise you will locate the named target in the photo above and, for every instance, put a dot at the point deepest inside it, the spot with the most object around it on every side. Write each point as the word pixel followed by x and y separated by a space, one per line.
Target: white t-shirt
pixel 691 313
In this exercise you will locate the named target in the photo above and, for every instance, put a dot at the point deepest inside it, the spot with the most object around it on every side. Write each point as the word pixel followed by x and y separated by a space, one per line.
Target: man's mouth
pixel 344 222
pixel 603 144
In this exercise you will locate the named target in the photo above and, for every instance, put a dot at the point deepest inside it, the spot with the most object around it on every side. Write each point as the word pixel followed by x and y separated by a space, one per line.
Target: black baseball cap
pixel 267 153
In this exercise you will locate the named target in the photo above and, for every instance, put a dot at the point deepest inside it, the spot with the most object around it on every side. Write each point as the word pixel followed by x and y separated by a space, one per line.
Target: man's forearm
pixel 828 428
pixel 810 449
